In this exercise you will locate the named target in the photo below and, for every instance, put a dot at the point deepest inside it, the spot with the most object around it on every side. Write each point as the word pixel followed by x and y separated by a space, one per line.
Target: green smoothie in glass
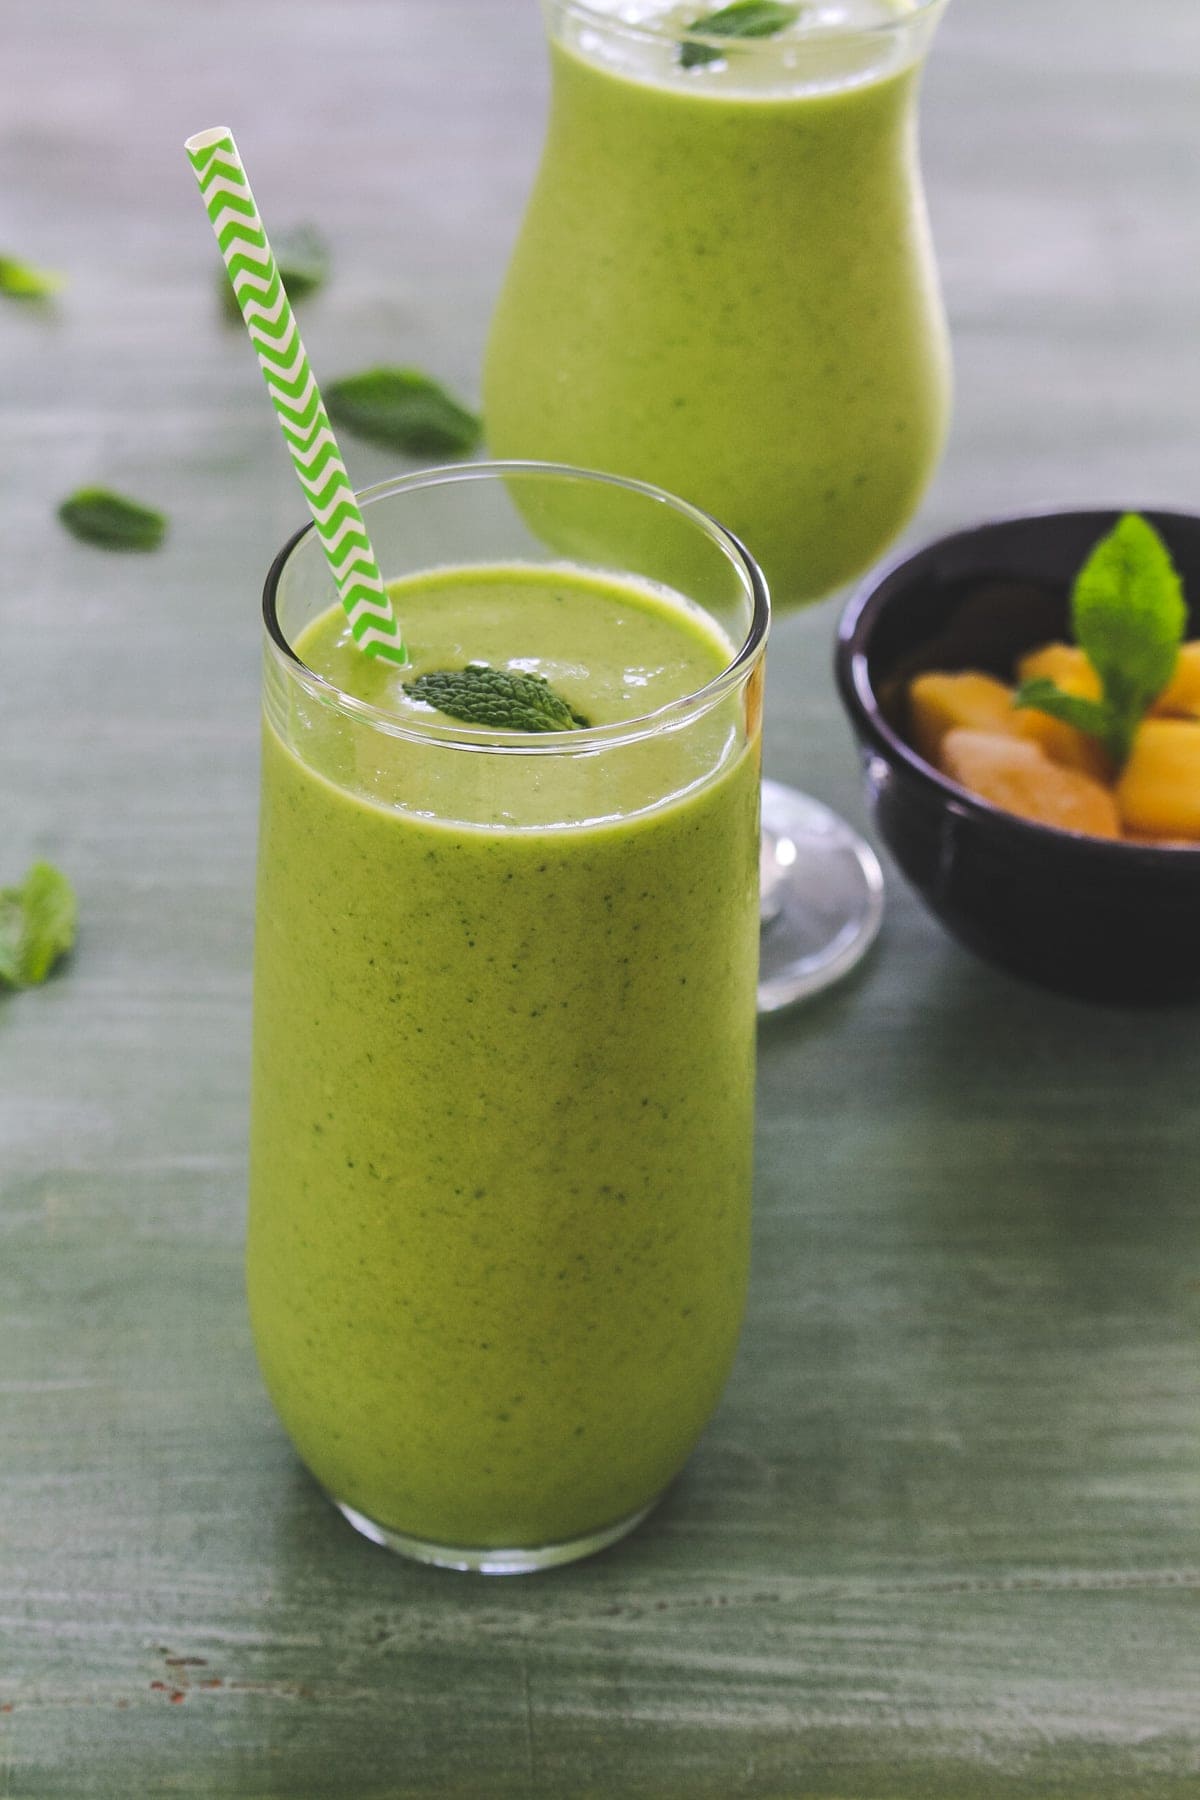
pixel 724 280
pixel 724 283
pixel 504 1005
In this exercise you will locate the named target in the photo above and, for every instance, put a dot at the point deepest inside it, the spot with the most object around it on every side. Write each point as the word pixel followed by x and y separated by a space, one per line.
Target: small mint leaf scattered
pixel 37 925
pixel 21 281
pixel 404 410
pixel 98 516
pixel 302 257
pixel 1129 617
pixel 502 699
pixel 743 19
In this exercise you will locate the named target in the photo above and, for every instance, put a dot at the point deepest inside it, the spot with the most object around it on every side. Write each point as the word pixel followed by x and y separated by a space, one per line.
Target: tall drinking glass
pixel 504 1017
pixel 724 283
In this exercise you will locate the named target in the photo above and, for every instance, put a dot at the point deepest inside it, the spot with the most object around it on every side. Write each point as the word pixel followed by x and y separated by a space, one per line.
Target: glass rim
pixel 657 31
pixel 579 740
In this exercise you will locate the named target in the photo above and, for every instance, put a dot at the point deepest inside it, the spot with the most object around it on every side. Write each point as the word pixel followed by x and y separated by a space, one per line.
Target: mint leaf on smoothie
pixel 1129 617
pixel 302 256
pixel 37 925
pixel 502 699
pixel 21 281
pixel 744 19
pixel 404 410
pixel 98 516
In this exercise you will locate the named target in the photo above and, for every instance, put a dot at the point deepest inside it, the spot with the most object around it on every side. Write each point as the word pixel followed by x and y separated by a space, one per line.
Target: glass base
pixel 492 1560
pixel 821 898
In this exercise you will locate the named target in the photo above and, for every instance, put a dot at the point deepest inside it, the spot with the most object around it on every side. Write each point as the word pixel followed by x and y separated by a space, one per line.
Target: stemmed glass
pixel 724 284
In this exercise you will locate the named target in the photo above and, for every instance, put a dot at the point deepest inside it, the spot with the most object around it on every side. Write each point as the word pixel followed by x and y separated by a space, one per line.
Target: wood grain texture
pixel 942 1539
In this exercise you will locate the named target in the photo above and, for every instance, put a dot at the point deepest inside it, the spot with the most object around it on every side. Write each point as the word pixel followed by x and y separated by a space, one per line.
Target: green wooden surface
pixel 942 1539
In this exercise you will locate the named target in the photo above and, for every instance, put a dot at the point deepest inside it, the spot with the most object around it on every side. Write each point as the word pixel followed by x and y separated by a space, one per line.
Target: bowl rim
pixel 860 615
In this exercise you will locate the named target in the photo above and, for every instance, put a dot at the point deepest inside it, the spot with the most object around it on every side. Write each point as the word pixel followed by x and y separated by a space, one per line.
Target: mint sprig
pixel 37 925
pixel 502 699
pixel 743 19
pixel 98 516
pixel 1129 616
pixel 404 410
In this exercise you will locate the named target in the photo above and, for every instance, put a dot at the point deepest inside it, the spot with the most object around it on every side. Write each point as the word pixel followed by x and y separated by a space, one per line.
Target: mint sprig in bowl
pixel 1115 919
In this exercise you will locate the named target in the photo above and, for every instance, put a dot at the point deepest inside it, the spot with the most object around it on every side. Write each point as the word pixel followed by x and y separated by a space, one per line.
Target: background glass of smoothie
pixel 724 283
pixel 504 1016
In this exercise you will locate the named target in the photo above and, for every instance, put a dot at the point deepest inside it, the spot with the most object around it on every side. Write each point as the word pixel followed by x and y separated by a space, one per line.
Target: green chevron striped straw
pixel 292 386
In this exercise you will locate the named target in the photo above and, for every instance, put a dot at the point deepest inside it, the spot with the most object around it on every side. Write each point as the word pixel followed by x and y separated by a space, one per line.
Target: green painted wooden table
pixel 942 1538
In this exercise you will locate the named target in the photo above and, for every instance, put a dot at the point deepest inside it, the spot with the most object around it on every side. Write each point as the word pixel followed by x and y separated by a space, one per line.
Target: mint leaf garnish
pixel 100 517
pixel 302 257
pixel 1129 617
pixel 743 19
pixel 37 925
pixel 1044 695
pixel 1129 614
pixel 405 410
pixel 21 281
pixel 502 699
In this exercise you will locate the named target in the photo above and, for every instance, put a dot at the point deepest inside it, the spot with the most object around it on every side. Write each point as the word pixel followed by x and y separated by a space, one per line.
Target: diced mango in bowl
pixel 1181 696
pixel 967 725
pixel 967 702
pixel 1159 789
pixel 1100 737
pixel 1070 669
pixel 1019 777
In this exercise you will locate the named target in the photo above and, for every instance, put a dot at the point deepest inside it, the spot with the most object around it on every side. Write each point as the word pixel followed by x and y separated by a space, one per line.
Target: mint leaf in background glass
pixel 404 410
pixel 1129 617
pixel 303 260
pixel 503 699
pixel 744 19
pixel 20 281
pixel 37 925
pixel 98 516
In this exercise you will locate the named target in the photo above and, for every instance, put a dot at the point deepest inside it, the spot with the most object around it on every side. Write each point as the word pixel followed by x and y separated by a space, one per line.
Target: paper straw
pixel 292 386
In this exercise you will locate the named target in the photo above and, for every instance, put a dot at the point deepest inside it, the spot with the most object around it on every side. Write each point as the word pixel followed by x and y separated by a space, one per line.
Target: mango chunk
pixel 1016 775
pixel 968 701
pixel 1181 696
pixel 1158 794
pixel 1064 664
pixel 1064 743
pixel 1070 670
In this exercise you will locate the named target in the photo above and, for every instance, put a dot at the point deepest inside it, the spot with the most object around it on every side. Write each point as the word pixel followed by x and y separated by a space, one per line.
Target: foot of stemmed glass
pixel 492 1560
pixel 822 898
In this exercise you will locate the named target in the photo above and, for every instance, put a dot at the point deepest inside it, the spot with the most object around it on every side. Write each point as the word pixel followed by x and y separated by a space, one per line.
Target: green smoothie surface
pixel 617 651
pixel 614 650
pixel 829 43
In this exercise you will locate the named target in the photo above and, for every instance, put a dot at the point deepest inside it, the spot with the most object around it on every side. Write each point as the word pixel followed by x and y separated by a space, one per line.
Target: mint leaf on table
pixel 99 516
pixel 503 699
pixel 1129 616
pixel 303 260
pixel 743 19
pixel 37 925
pixel 405 410
pixel 21 281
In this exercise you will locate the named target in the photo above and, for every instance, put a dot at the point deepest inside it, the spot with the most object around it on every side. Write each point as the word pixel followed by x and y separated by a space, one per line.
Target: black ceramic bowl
pixel 1101 919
